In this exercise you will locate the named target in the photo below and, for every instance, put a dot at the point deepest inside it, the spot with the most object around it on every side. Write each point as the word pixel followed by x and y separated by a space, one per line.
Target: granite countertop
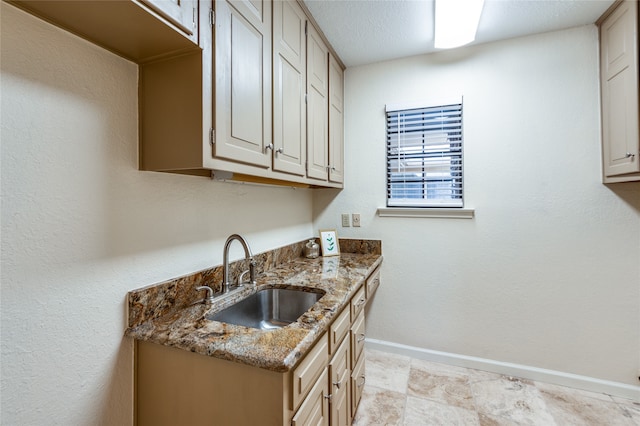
pixel 279 350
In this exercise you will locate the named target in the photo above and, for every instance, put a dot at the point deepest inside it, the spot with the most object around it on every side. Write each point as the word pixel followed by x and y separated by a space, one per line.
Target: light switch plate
pixel 345 220
pixel 355 218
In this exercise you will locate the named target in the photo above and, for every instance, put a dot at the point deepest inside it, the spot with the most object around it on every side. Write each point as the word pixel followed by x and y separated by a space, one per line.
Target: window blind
pixel 424 156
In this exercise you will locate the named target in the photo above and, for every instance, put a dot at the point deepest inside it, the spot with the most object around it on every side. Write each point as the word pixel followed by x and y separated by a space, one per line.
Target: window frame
pixel 427 151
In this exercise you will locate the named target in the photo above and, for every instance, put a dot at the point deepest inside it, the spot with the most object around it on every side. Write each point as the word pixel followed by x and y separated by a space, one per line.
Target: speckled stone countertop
pixel 165 313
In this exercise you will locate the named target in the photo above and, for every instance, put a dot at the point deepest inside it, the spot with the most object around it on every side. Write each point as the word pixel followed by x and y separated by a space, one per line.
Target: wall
pixel 547 274
pixel 81 226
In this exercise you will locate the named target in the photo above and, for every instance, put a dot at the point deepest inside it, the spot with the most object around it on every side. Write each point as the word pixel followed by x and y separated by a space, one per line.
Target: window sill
pixel 442 213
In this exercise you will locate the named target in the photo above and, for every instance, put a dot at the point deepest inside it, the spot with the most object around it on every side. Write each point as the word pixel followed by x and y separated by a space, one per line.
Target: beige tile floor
pixel 406 391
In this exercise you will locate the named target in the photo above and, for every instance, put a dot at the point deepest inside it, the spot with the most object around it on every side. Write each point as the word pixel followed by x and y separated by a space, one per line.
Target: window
pixel 424 156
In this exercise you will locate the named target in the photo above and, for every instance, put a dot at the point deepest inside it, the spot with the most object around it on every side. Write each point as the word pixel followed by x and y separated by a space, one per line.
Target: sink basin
pixel 269 308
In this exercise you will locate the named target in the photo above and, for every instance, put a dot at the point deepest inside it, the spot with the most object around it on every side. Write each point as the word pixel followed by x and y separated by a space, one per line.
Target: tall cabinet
pixel 620 93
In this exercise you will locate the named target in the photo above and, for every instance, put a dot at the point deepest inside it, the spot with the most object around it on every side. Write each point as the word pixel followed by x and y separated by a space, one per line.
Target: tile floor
pixel 406 391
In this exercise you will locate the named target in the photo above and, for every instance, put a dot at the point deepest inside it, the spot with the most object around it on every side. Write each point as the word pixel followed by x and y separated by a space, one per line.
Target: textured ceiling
pixel 368 31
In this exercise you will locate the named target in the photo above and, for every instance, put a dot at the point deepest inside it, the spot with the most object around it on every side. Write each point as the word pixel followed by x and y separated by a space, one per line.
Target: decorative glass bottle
pixel 311 249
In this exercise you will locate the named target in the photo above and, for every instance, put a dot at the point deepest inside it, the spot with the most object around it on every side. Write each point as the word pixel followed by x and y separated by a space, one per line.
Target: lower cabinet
pixel 315 408
pixel 174 386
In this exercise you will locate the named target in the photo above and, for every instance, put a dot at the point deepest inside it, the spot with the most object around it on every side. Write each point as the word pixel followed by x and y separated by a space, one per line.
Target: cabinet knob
pixel 629 155
pixel 363 380
pixel 270 146
pixel 279 151
pixel 337 384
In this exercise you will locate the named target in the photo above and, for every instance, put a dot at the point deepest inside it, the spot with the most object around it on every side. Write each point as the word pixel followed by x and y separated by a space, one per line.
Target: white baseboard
pixel 524 371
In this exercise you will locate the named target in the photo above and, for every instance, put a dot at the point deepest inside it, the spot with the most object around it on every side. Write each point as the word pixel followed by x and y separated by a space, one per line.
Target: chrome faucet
pixel 225 263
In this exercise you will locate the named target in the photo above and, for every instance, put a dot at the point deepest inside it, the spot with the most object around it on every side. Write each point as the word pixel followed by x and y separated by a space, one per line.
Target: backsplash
pixel 164 298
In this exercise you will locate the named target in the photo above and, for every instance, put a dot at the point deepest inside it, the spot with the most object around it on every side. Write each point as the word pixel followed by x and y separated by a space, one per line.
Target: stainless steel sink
pixel 269 308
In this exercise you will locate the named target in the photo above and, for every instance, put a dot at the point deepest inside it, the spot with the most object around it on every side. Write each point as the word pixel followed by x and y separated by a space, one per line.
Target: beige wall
pixel 81 226
pixel 547 275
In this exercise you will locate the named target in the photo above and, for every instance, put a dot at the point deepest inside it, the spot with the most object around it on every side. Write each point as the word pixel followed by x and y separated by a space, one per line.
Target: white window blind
pixel 424 156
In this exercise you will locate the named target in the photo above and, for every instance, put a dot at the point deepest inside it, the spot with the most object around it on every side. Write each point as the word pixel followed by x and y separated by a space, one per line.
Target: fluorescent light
pixel 456 22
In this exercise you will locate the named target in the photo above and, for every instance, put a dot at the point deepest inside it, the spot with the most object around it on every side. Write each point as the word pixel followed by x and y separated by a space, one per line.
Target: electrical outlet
pixel 355 218
pixel 345 220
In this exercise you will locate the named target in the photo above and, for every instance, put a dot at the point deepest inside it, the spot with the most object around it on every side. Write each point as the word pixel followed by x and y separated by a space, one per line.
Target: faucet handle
pixel 241 277
pixel 209 290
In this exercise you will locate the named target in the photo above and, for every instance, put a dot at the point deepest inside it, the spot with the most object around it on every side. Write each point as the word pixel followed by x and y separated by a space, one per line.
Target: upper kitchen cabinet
pixel 317 106
pixel 212 110
pixel 619 91
pixel 325 117
pixel 289 88
pixel 137 30
pixel 241 108
pixel 336 121
pixel 230 89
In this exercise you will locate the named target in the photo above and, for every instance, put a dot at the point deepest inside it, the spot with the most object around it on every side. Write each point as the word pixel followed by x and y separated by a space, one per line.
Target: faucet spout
pixel 225 262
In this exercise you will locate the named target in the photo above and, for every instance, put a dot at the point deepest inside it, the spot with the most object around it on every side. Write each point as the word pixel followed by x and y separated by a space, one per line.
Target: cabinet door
pixel 340 378
pixel 357 385
pixel 289 87
pixel 317 105
pixel 243 82
pixel 304 375
pixel 315 408
pixel 619 63
pixel 182 13
pixel 336 121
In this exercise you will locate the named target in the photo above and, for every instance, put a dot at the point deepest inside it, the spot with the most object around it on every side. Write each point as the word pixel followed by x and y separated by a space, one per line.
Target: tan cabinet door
pixel 619 69
pixel 315 408
pixel 357 385
pixel 340 377
pixel 243 82
pixel 289 87
pixel 336 121
pixel 317 105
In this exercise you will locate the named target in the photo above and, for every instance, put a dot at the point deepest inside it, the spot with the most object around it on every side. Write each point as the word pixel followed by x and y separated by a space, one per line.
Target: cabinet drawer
pixel 357 338
pixel 372 283
pixel 315 408
pixel 357 303
pixel 305 374
pixel 338 330
pixel 357 385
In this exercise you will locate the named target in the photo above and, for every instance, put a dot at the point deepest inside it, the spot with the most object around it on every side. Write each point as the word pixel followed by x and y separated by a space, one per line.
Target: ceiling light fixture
pixel 456 22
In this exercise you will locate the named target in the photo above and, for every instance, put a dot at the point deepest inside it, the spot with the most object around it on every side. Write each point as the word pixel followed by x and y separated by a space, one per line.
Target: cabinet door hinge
pixel 305 27
pixel 212 17
pixel 212 136
pixel 305 98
